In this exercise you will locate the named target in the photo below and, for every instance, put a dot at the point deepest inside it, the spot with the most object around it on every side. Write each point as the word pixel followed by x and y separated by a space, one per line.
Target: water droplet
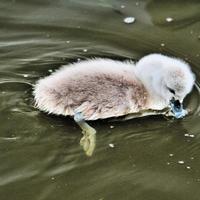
pixel 169 19
pixel 129 20
pixel 191 135
pixel 111 145
pixel 181 162
pixel 162 44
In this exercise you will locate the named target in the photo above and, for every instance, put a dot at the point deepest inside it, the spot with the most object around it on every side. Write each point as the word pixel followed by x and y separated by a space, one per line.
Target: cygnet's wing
pixel 98 89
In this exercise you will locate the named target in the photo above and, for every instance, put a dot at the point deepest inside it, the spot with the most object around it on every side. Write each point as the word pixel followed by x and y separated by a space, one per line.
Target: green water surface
pixel 151 158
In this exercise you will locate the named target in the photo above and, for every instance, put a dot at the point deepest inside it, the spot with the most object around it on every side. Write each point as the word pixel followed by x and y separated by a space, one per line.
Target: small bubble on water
pixel 129 20
pixel 25 75
pixel 171 154
pixel 181 162
pixel 112 126
pixel 85 50
pixel 67 41
pixel 169 19
pixel 188 167
pixel 162 44
pixel 111 145
pixel 191 135
pixel 122 6
pixel 50 70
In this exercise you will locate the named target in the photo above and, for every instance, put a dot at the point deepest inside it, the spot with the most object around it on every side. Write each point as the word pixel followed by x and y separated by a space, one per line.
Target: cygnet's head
pixel 168 79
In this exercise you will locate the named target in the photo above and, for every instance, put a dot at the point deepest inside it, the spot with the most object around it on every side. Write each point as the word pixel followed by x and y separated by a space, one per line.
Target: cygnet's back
pixel 98 88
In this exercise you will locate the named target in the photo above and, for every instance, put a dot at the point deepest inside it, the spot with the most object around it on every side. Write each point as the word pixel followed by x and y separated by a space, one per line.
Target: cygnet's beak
pixel 177 108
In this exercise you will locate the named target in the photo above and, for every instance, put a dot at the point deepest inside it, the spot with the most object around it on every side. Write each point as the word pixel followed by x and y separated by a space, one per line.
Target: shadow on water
pixel 147 158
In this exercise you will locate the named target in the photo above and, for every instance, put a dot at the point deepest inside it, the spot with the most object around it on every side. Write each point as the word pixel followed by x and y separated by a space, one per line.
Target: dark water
pixel 40 157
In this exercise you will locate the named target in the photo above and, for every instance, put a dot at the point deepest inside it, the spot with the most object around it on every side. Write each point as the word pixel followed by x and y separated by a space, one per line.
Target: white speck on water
pixel 169 19
pixel 50 70
pixel 52 178
pixel 189 135
pixel 25 75
pixel 181 162
pixel 192 158
pixel 67 41
pixel 3 92
pixel 137 3
pixel 85 50
pixel 188 167
pixel 78 59
pixel 168 163
pixel 122 6
pixel 171 154
pixel 129 20
pixel 111 145
pixel 10 138
pixel 162 44
pixel 112 126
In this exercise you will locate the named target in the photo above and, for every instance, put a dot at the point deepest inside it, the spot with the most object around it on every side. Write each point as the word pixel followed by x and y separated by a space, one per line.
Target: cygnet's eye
pixel 171 90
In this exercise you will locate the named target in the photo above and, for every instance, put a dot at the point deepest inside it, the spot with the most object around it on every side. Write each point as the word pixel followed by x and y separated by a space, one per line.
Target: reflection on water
pixel 146 158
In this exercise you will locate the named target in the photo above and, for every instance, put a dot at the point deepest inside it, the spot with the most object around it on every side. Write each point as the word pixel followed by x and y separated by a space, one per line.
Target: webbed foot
pixel 88 141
